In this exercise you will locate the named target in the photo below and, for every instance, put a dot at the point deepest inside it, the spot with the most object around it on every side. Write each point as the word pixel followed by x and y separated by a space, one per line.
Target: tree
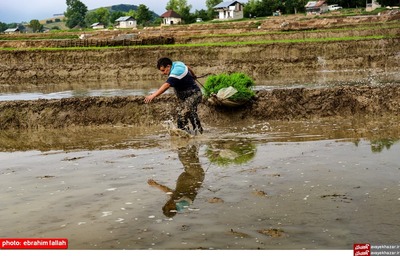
pixel 253 9
pixel 211 3
pixel 75 14
pixel 131 13
pixel 143 14
pixel 267 7
pixel 115 15
pixel 181 7
pixel 36 26
pixel 203 14
pixel 210 7
pixel 90 18
pixel 101 15
pixel 3 26
pixel 187 17
pixel 294 6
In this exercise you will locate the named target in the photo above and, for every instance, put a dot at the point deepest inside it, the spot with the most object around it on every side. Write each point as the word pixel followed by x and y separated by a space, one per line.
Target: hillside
pixel 126 8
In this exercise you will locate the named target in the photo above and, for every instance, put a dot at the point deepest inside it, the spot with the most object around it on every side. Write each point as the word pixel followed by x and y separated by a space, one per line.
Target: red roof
pixel 170 14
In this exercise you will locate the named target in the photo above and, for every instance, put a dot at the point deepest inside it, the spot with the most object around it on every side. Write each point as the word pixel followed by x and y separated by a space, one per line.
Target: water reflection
pixel 225 145
pixel 378 145
pixel 72 94
pixel 323 78
pixel 231 152
pixel 70 90
pixel 187 185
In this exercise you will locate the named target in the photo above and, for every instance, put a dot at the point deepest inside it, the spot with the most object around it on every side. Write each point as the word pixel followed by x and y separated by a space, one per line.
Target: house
pixel 12 31
pixel 372 6
pixel 125 22
pixel 97 25
pixel 316 7
pixel 229 10
pixel 170 18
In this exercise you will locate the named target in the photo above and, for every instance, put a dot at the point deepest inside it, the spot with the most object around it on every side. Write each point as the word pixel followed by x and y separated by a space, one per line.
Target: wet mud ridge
pixel 277 104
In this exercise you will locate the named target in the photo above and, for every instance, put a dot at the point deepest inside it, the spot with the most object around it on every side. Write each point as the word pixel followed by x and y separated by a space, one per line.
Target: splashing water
pixel 173 131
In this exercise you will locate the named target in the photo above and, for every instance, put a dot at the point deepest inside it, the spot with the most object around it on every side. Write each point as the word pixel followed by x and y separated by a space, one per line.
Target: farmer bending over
pixel 182 79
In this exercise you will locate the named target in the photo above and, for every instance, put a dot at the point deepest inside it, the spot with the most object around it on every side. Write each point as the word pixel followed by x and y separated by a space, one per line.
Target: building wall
pixel 372 6
pixel 317 10
pixel 233 12
pixel 171 21
pixel 128 24
pixel 98 27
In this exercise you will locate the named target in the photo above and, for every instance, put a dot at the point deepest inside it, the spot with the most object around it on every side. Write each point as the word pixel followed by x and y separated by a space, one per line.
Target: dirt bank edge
pixel 263 62
pixel 277 104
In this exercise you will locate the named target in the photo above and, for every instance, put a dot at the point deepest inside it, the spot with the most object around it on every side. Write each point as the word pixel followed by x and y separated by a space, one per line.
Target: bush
pixel 240 81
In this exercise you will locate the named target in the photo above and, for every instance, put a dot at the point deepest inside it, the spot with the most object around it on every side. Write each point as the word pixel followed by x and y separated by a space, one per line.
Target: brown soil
pixel 266 63
pixel 263 62
pixel 278 104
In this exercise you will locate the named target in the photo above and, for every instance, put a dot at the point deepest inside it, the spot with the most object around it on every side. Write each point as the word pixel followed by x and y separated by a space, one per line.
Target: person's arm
pixel 163 188
pixel 160 91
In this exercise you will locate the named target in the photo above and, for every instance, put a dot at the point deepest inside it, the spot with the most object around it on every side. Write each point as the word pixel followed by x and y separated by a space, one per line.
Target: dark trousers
pixel 187 110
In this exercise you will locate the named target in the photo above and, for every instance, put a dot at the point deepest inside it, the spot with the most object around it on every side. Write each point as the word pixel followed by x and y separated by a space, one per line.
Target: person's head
pixel 169 209
pixel 164 65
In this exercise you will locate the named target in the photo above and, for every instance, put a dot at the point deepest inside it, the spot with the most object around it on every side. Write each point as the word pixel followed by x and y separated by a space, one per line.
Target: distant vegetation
pixel 78 15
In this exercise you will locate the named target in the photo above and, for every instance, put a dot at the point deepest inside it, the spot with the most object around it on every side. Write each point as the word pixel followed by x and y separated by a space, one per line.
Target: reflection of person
pixel 187 184
pixel 182 79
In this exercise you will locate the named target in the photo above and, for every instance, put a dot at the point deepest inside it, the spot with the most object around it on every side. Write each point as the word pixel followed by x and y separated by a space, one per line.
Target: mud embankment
pixel 278 104
pixel 298 35
pixel 263 62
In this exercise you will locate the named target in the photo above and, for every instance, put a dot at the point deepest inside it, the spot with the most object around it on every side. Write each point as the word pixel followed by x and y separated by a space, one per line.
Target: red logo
pixel 362 249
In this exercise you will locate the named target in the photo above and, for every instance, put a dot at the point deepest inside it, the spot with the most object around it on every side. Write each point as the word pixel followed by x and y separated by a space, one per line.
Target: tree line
pixel 77 14
pixel 77 11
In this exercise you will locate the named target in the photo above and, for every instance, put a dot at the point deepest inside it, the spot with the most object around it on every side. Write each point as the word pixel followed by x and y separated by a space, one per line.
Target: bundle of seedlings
pixel 229 89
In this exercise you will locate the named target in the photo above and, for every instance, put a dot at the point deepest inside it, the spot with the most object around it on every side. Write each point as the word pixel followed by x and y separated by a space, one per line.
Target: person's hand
pixel 151 182
pixel 149 98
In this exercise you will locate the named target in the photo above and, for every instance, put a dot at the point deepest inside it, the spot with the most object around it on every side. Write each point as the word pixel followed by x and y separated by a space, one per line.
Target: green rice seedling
pixel 240 81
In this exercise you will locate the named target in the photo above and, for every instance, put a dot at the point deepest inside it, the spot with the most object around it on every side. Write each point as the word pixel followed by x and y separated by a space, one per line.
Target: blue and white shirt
pixel 181 79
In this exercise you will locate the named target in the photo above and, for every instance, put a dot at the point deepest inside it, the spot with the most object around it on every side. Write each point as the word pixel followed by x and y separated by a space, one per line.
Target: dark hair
pixel 163 62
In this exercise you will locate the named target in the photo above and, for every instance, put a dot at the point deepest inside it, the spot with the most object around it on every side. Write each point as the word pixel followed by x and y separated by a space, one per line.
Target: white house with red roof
pixel 171 18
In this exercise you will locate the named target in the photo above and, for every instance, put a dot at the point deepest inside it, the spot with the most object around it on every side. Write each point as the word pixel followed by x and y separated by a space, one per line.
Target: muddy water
pixel 323 78
pixel 269 185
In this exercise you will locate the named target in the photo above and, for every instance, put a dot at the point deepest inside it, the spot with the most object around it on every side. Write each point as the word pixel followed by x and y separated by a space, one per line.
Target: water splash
pixel 172 130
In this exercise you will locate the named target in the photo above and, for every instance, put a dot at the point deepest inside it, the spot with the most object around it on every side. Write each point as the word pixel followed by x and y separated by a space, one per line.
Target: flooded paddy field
pixel 316 184
pixel 323 78
pixel 311 163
